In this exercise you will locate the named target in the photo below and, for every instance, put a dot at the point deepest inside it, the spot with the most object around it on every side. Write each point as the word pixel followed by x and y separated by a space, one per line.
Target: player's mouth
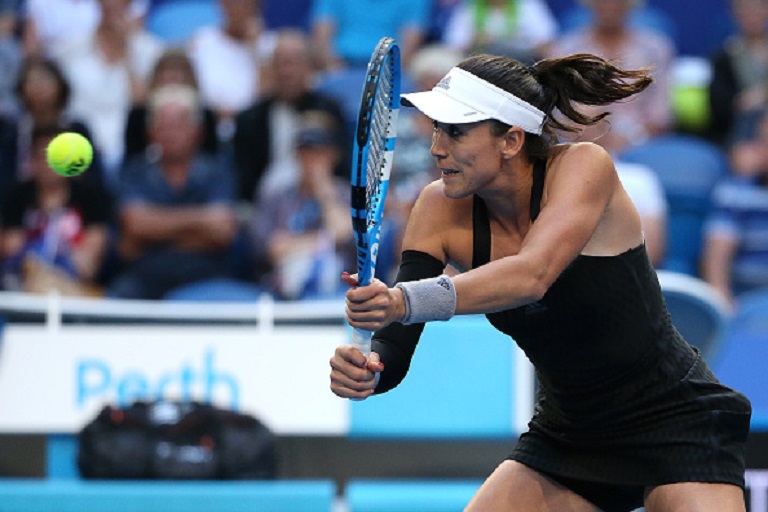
pixel 448 172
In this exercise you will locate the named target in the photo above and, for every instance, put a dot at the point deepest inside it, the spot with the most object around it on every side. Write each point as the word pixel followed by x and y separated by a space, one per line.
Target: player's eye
pixel 452 130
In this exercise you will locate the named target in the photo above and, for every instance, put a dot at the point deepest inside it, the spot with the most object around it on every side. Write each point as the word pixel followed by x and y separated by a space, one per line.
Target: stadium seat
pixel 688 168
pixel 740 362
pixel 216 290
pixel 175 21
pixel 409 495
pixel 280 14
pixel 346 87
pixel 167 496
pixel 697 310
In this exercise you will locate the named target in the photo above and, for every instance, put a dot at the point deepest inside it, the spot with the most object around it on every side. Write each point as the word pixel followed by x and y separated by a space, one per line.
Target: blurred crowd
pixel 223 141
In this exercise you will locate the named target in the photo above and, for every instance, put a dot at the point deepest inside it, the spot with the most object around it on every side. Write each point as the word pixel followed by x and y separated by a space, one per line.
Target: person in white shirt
pixel 228 60
pixel 107 70
pixel 49 23
pixel 517 28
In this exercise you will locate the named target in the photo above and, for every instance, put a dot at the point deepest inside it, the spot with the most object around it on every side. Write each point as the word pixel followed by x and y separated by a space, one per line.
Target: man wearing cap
pixel 304 231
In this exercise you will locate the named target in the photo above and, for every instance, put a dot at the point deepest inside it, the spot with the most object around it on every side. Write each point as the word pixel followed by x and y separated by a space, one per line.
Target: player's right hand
pixel 352 376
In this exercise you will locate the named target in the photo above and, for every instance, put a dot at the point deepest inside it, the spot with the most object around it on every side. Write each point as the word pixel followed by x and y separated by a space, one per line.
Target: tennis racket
pixel 373 150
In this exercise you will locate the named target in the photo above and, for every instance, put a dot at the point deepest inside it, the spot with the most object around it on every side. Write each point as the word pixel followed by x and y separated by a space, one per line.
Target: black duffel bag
pixel 176 440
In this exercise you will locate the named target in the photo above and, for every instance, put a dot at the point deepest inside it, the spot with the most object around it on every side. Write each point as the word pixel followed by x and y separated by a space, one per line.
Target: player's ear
pixel 512 141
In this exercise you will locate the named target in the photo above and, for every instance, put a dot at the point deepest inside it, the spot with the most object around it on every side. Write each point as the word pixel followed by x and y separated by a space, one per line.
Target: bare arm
pixel 13 242
pixel 582 214
pixel 203 227
pixel 411 40
pixel 579 192
pixel 87 256
pixel 322 42
pixel 716 264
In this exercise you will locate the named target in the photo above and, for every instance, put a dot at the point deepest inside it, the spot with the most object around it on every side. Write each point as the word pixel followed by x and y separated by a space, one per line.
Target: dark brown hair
pixel 553 85
pixel 33 63
pixel 173 57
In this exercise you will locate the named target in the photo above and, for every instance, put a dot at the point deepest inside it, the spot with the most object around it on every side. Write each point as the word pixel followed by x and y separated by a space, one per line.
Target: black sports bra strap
pixel 481 234
pixel 537 189
pixel 481 226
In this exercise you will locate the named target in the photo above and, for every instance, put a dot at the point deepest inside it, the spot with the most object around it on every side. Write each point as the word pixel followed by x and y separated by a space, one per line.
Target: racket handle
pixel 362 341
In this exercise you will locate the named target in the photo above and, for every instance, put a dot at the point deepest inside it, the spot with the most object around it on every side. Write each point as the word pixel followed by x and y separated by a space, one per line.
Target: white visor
pixel 461 97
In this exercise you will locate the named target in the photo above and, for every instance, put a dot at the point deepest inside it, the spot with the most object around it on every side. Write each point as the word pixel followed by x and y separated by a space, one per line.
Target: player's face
pixel 468 156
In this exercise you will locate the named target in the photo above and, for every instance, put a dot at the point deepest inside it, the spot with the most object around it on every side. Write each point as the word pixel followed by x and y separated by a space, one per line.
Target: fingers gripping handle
pixel 361 340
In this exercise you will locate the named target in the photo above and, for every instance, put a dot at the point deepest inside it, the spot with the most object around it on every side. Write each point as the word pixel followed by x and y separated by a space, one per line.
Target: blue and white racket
pixel 374 147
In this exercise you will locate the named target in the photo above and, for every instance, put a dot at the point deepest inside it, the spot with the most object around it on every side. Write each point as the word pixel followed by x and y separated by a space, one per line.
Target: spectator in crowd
pixel 49 24
pixel 520 29
pixel 54 229
pixel 44 93
pixel 10 56
pixel 264 138
pixel 108 69
pixel 305 229
pixel 229 58
pixel 176 213
pixel 440 15
pixel 610 36
pixel 172 67
pixel 345 32
pixel 735 256
pixel 740 72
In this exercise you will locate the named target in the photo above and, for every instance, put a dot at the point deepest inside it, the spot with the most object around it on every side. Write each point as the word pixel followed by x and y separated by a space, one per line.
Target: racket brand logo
pixel 445 83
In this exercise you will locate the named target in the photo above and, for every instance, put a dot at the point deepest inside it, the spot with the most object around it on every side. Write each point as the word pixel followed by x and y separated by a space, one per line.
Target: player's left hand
pixel 374 306
pixel 352 376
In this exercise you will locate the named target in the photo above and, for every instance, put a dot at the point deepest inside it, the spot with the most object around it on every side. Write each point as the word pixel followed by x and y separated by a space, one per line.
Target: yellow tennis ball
pixel 69 154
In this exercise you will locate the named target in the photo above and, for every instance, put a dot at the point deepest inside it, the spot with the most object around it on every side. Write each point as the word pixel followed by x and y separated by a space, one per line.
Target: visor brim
pixel 442 108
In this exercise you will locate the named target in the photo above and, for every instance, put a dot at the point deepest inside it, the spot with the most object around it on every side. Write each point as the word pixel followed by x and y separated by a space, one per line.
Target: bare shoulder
pixel 582 154
pixel 584 162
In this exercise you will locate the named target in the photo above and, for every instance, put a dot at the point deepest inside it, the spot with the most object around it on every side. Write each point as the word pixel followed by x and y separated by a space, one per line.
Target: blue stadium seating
pixel 175 21
pixel 698 312
pixel 26 495
pixel 740 362
pixel 411 495
pixel 688 168
pixel 64 491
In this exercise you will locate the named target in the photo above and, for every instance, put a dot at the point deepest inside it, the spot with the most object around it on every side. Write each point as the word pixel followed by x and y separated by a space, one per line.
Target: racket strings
pixel 380 129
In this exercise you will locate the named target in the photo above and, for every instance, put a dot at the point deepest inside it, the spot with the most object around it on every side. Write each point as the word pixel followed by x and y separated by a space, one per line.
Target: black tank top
pixel 601 319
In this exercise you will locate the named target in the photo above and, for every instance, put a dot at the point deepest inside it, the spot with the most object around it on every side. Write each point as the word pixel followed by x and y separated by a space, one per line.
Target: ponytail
pixel 589 80
pixel 553 85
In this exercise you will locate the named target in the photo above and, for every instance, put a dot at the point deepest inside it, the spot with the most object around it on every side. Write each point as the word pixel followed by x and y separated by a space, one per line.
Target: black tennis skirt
pixel 673 422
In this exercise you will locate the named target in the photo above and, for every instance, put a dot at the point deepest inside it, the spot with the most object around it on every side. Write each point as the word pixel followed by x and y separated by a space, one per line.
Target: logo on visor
pixel 445 83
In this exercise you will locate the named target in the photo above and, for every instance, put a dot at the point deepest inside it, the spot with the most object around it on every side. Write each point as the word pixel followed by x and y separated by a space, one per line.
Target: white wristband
pixel 428 299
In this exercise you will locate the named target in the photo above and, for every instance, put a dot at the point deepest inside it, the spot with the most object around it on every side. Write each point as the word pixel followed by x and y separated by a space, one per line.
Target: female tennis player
pixel 551 250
